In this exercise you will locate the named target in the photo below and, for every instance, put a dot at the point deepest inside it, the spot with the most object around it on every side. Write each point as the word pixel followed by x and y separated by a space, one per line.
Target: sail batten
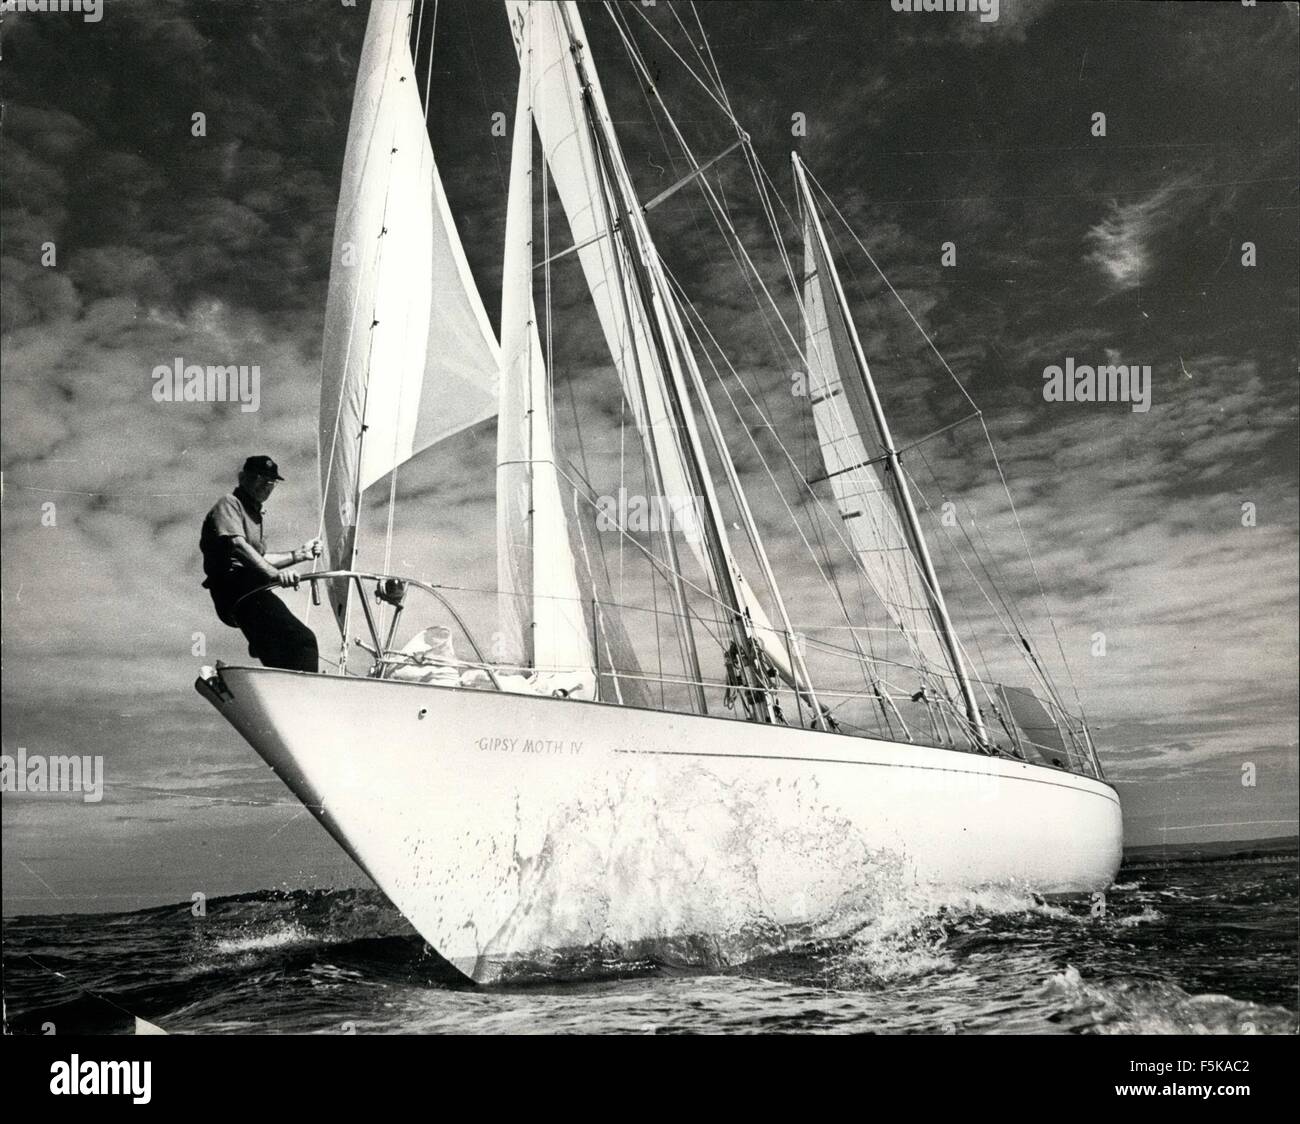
pixel 408 356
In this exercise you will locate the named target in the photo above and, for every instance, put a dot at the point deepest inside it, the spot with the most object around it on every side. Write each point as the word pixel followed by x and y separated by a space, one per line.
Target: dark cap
pixel 263 466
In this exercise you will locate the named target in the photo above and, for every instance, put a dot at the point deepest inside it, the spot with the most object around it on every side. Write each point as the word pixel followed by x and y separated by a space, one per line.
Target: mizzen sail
pixel 901 565
pixel 851 452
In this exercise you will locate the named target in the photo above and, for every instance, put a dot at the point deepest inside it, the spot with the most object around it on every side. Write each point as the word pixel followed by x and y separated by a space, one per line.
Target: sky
pixel 924 128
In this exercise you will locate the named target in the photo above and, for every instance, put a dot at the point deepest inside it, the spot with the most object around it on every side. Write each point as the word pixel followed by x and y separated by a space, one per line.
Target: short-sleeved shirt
pixel 228 575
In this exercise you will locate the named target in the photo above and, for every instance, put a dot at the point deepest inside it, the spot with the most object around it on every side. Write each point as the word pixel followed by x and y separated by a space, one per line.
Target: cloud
pixel 1122 242
pixel 1015 17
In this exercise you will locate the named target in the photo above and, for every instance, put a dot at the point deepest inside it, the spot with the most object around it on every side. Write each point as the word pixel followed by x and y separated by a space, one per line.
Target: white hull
pixel 502 825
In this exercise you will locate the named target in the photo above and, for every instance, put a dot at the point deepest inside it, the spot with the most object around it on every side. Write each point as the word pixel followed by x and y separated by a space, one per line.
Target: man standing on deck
pixel 236 563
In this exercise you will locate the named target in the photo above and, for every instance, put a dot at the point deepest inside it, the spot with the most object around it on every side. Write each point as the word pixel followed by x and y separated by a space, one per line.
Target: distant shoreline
pixel 1279 849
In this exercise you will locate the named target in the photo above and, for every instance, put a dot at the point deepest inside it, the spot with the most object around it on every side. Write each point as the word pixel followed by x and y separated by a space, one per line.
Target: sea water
pixel 1179 948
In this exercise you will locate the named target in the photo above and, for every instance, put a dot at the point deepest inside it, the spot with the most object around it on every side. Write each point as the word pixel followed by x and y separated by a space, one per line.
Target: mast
pixel 802 681
pixel 938 608
pixel 642 259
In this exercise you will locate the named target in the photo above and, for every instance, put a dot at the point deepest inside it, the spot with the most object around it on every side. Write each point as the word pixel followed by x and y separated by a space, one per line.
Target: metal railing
pixel 392 590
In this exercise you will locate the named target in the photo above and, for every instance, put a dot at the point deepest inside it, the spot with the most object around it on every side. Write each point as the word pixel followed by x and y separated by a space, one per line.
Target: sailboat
pixel 485 787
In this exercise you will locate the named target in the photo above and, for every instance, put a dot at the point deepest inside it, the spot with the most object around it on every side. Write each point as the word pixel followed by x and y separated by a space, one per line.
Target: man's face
pixel 258 486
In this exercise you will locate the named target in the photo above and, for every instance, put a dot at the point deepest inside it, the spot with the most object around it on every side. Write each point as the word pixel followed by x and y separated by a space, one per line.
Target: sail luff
pixel 515 430
pixel 895 473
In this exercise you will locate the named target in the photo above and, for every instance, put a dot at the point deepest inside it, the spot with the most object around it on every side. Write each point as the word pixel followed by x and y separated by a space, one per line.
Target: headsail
pixel 408 356
pixel 542 622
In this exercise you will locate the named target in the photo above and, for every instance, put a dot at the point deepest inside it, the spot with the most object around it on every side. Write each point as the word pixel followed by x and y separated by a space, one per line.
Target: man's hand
pixel 279 562
pixel 287 579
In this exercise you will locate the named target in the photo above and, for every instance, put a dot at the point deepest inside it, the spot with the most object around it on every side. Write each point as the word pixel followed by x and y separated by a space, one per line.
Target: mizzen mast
pixel 894 471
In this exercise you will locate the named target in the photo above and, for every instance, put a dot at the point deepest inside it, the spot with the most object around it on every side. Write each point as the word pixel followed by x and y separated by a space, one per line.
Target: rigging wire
pixel 721 215
pixel 719 210
pixel 921 665
pixel 769 213
pixel 387 612
pixel 1015 624
pixel 759 174
pixel 703 85
pixel 633 379
pixel 428 74
pixel 724 102
pixel 1017 629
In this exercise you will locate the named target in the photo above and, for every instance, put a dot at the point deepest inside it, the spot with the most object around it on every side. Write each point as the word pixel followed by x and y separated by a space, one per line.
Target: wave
pixel 1131 1006
pixel 281 936
pixel 1147 916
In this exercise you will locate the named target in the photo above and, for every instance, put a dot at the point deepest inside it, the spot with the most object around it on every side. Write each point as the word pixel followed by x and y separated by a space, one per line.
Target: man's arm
pixel 271 566
pixel 304 553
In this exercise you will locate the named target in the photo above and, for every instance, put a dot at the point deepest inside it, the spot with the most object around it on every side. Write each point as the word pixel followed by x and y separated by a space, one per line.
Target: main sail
pixel 542 622
pixel 409 357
